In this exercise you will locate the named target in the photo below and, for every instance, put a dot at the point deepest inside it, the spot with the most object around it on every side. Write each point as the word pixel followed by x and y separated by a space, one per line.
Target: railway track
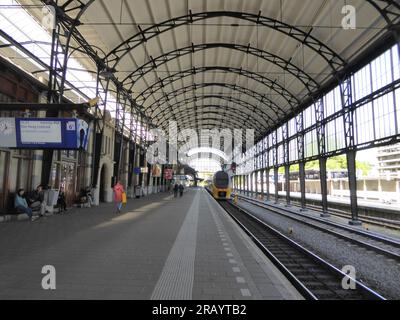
pixel 386 246
pixel 314 277
pixel 371 220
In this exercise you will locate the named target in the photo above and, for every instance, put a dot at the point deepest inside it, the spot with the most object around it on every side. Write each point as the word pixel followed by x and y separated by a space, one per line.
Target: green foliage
pixel 365 167
pixel 333 163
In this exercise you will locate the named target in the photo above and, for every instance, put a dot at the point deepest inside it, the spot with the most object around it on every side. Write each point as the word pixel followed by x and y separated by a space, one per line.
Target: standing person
pixel 176 188
pixel 181 188
pixel 61 200
pixel 118 191
pixel 37 200
pixel 21 204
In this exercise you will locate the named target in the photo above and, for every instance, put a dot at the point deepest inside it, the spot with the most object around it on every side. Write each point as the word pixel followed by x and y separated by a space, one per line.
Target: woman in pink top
pixel 118 190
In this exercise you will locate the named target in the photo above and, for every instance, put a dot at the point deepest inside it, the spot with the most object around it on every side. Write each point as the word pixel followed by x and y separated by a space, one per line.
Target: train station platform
pixel 158 248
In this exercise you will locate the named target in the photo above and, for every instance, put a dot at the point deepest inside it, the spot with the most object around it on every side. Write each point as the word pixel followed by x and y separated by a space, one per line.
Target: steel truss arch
pixel 286 65
pixel 215 110
pixel 236 101
pixel 390 12
pixel 154 63
pixel 181 91
pixel 159 85
pixel 234 123
pixel 328 54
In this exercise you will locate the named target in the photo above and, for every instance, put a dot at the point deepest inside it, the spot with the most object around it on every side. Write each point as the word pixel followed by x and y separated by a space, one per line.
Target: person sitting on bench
pixel 85 198
pixel 37 200
pixel 21 205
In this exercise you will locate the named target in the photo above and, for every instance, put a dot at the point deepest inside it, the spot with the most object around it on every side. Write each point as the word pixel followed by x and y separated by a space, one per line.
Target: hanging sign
pixel 44 133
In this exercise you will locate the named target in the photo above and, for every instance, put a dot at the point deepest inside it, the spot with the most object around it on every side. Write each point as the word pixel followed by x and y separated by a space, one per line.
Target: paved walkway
pixel 158 248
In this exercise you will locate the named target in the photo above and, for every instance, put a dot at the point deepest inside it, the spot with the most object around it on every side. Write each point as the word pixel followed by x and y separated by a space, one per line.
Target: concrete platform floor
pixel 157 248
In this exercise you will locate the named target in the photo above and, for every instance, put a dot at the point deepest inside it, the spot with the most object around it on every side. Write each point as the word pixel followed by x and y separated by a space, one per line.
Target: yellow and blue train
pixel 220 187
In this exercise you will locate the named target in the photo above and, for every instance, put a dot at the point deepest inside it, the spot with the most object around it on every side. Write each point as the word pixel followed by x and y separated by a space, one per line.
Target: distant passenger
pixel 118 191
pixel 21 204
pixel 176 189
pixel 61 200
pixel 181 188
pixel 37 200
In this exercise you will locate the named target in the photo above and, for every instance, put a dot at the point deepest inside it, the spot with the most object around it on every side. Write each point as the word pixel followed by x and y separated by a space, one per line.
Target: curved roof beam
pixel 236 101
pixel 234 118
pixel 234 123
pixel 154 63
pixel 197 123
pixel 387 12
pixel 230 110
pixel 162 83
pixel 329 55
pixel 159 85
pixel 237 89
pixel 286 65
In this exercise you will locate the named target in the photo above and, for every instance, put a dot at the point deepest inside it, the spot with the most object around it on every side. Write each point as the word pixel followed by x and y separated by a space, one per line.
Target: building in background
pixel 389 161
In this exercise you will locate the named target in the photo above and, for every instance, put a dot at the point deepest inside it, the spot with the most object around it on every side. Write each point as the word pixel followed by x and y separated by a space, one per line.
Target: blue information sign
pixel 45 133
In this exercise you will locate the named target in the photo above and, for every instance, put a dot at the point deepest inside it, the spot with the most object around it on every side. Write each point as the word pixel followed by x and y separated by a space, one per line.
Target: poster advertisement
pixel 168 174
pixel 156 171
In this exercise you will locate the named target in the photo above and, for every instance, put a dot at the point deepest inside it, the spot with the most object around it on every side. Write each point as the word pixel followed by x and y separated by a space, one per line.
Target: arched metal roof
pixel 251 63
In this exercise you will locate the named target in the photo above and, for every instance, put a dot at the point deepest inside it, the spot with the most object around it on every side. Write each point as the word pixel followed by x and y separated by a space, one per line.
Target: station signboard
pixel 44 133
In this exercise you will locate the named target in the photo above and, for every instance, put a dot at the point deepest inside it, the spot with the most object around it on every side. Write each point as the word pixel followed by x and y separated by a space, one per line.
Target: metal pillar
pixel 287 184
pixel 324 186
pixel 348 119
pixel 321 129
pixel 248 184
pixel 351 167
pixel 302 178
pixel 256 182
pixel 133 138
pixel 267 171
pixel 251 183
pixel 262 182
pixel 275 160
pixel 301 156
pixel 286 159
pixel 66 21
pixel 119 131
pixel 276 184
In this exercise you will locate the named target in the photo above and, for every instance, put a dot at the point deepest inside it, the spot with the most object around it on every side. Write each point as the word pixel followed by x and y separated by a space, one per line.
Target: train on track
pixel 220 187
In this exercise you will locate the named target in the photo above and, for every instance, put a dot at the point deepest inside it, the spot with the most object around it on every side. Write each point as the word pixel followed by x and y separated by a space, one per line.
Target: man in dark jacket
pixel 181 188
pixel 176 189
pixel 37 200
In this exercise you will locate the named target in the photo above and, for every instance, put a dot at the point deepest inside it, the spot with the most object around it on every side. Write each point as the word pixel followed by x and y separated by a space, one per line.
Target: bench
pixel 11 210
